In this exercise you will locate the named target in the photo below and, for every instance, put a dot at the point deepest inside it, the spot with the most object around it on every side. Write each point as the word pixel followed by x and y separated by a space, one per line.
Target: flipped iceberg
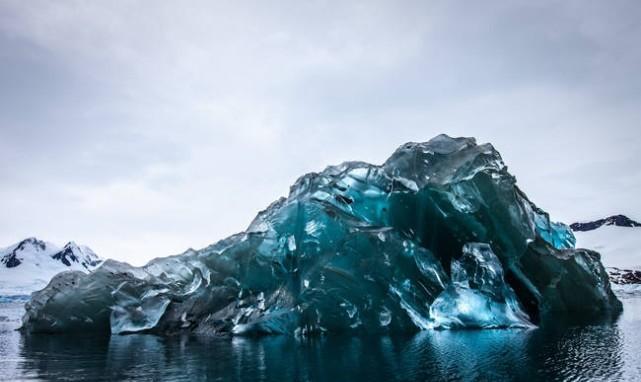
pixel 439 236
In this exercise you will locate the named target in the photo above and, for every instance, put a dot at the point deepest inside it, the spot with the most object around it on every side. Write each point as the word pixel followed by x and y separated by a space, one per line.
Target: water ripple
pixel 559 353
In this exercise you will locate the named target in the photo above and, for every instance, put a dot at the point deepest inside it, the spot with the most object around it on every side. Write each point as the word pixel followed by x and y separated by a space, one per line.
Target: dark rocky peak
pixel 615 220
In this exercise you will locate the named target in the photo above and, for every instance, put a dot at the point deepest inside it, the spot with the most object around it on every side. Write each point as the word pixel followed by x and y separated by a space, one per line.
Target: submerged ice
pixel 439 236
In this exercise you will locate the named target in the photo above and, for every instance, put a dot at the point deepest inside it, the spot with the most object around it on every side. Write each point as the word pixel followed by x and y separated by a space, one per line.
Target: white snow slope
pixel 29 265
pixel 620 247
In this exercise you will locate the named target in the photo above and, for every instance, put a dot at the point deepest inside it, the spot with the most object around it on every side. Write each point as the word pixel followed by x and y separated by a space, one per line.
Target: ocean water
pixel 598 351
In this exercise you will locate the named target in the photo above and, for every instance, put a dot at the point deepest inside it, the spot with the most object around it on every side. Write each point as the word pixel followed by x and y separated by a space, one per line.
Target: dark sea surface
pixel 599 352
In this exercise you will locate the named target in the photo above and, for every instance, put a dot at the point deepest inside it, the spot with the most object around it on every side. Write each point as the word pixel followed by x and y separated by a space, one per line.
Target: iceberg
pixel 437 237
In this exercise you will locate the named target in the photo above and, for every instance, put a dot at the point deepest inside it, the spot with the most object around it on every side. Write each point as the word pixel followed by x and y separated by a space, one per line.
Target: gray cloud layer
pixel 142 130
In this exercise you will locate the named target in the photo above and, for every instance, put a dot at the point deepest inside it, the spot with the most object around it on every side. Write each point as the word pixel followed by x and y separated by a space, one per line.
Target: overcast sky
pixel 144 128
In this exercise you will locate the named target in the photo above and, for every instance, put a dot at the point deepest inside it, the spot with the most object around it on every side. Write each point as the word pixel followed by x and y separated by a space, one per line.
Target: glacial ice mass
pixel 437 237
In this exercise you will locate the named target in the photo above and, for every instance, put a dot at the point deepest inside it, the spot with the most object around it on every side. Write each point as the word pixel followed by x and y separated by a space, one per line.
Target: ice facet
pixel 356 248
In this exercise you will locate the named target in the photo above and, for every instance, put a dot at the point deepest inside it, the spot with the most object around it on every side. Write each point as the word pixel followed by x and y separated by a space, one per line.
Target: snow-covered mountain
pixel 618 239
pixel 29 265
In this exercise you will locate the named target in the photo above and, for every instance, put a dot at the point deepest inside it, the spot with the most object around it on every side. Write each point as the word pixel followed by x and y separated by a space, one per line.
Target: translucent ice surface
pixel 478 296
pixel 439 236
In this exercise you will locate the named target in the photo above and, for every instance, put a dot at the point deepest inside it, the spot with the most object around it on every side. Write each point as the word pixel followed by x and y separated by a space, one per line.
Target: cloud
pixel 142 130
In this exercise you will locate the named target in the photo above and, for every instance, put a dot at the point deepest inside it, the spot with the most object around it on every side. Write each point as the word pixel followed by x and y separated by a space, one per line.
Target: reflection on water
pixel 587 352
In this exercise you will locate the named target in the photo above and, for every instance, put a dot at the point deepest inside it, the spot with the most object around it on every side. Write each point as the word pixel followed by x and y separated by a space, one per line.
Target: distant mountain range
pixel 615 220
pixel 30 264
